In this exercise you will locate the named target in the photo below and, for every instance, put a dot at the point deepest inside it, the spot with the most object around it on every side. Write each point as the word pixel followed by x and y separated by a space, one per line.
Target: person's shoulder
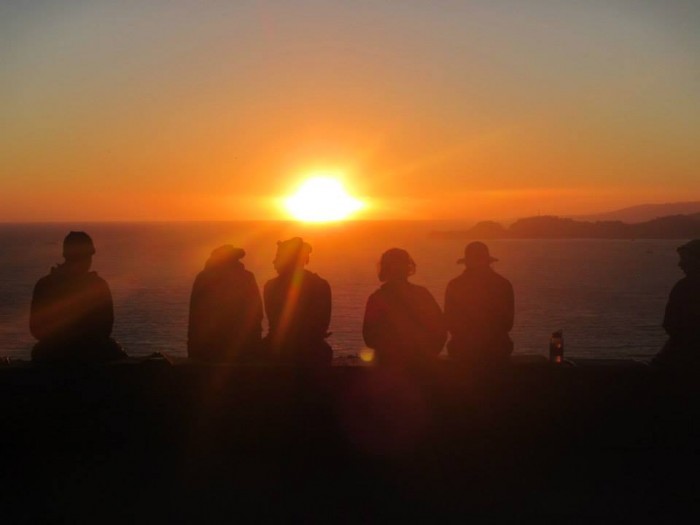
pixel 96 280
pixel 417 288
pixel 421 292
pixel 201 279
pixel 499 278
pixel 690 281
pixel 202 274
pixel 466 280
pixel 315 278
pixel 457 279
pixel 377 295
pixel 272 282
pixel 249 276
pixel 45 282
pixel 238 273
pixel 47 278
pixel 56 275
pixel 685 285
pixel 94 276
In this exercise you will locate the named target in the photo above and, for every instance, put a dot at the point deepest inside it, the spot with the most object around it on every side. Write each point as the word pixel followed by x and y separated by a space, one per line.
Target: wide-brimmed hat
pixel 225 254
pixel 476 253
pixel 690 250
pixel 77 245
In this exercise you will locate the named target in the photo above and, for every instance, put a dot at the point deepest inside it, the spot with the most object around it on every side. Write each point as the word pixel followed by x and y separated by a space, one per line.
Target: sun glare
pixel 322 199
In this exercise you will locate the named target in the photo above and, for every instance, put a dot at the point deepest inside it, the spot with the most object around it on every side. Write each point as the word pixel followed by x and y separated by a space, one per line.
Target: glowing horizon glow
pixel 322 199
pixel 132 111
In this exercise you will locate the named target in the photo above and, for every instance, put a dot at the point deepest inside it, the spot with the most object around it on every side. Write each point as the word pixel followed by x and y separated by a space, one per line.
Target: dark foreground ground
pixel 149 441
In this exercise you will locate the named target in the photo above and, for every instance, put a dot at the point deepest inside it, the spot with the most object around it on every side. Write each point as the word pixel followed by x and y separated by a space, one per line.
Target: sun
pixel 322 199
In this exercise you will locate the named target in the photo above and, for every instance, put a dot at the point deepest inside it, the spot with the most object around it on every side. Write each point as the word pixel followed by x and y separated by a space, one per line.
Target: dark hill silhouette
pixel 672 227
pixel 489 230
pixel 556 227
pixel 552 227
pixel 643 212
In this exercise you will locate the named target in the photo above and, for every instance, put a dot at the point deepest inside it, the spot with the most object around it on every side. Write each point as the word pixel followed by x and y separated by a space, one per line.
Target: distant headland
pixel 553 227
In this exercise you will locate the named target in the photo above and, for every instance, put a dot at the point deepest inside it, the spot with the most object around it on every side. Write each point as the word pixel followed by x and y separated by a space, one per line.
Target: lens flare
pixel 367 355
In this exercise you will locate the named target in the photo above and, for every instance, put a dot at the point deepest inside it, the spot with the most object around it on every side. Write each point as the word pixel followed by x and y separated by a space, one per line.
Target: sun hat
pixel 225 254
pixel 476 253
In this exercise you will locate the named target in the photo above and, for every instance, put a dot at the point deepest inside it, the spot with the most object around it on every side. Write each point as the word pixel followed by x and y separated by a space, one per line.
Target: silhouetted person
pixel 225 310
pixel 403 323
pixel 682 318
pixel 298 308
pixel 72 312
pixel 479 310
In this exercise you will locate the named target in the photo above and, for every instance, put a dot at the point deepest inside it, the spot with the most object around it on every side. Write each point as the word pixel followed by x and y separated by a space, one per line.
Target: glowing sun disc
pixel 321 199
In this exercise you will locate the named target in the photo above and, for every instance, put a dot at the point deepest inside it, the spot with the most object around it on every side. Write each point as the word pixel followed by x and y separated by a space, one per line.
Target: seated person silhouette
pixel 403 323
pixel 479 308
pixel 682 317
pixel 225 322
pixel 72 312
pixel 298 308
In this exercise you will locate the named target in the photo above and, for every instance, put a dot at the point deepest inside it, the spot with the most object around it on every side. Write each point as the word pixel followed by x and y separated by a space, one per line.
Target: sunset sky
pixel 174 110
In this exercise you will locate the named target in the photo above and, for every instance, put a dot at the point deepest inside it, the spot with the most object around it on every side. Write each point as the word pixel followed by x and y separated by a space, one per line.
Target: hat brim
pixel 489 259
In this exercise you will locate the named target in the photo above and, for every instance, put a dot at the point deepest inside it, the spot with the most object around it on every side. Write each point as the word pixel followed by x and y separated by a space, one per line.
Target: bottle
pixel 556 347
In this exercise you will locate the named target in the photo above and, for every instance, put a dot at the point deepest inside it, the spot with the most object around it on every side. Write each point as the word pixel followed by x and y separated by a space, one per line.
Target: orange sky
pixel 459 110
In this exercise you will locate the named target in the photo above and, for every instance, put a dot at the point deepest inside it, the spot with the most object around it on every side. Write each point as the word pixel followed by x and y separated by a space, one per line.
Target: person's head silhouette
pixel 690 257
pixel 292 255
pixel 78 250
pixel 476 255
pixel 225 256
pixel 396 265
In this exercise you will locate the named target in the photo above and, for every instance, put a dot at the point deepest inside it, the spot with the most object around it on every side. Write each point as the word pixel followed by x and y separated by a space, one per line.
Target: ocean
pixel 608 296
